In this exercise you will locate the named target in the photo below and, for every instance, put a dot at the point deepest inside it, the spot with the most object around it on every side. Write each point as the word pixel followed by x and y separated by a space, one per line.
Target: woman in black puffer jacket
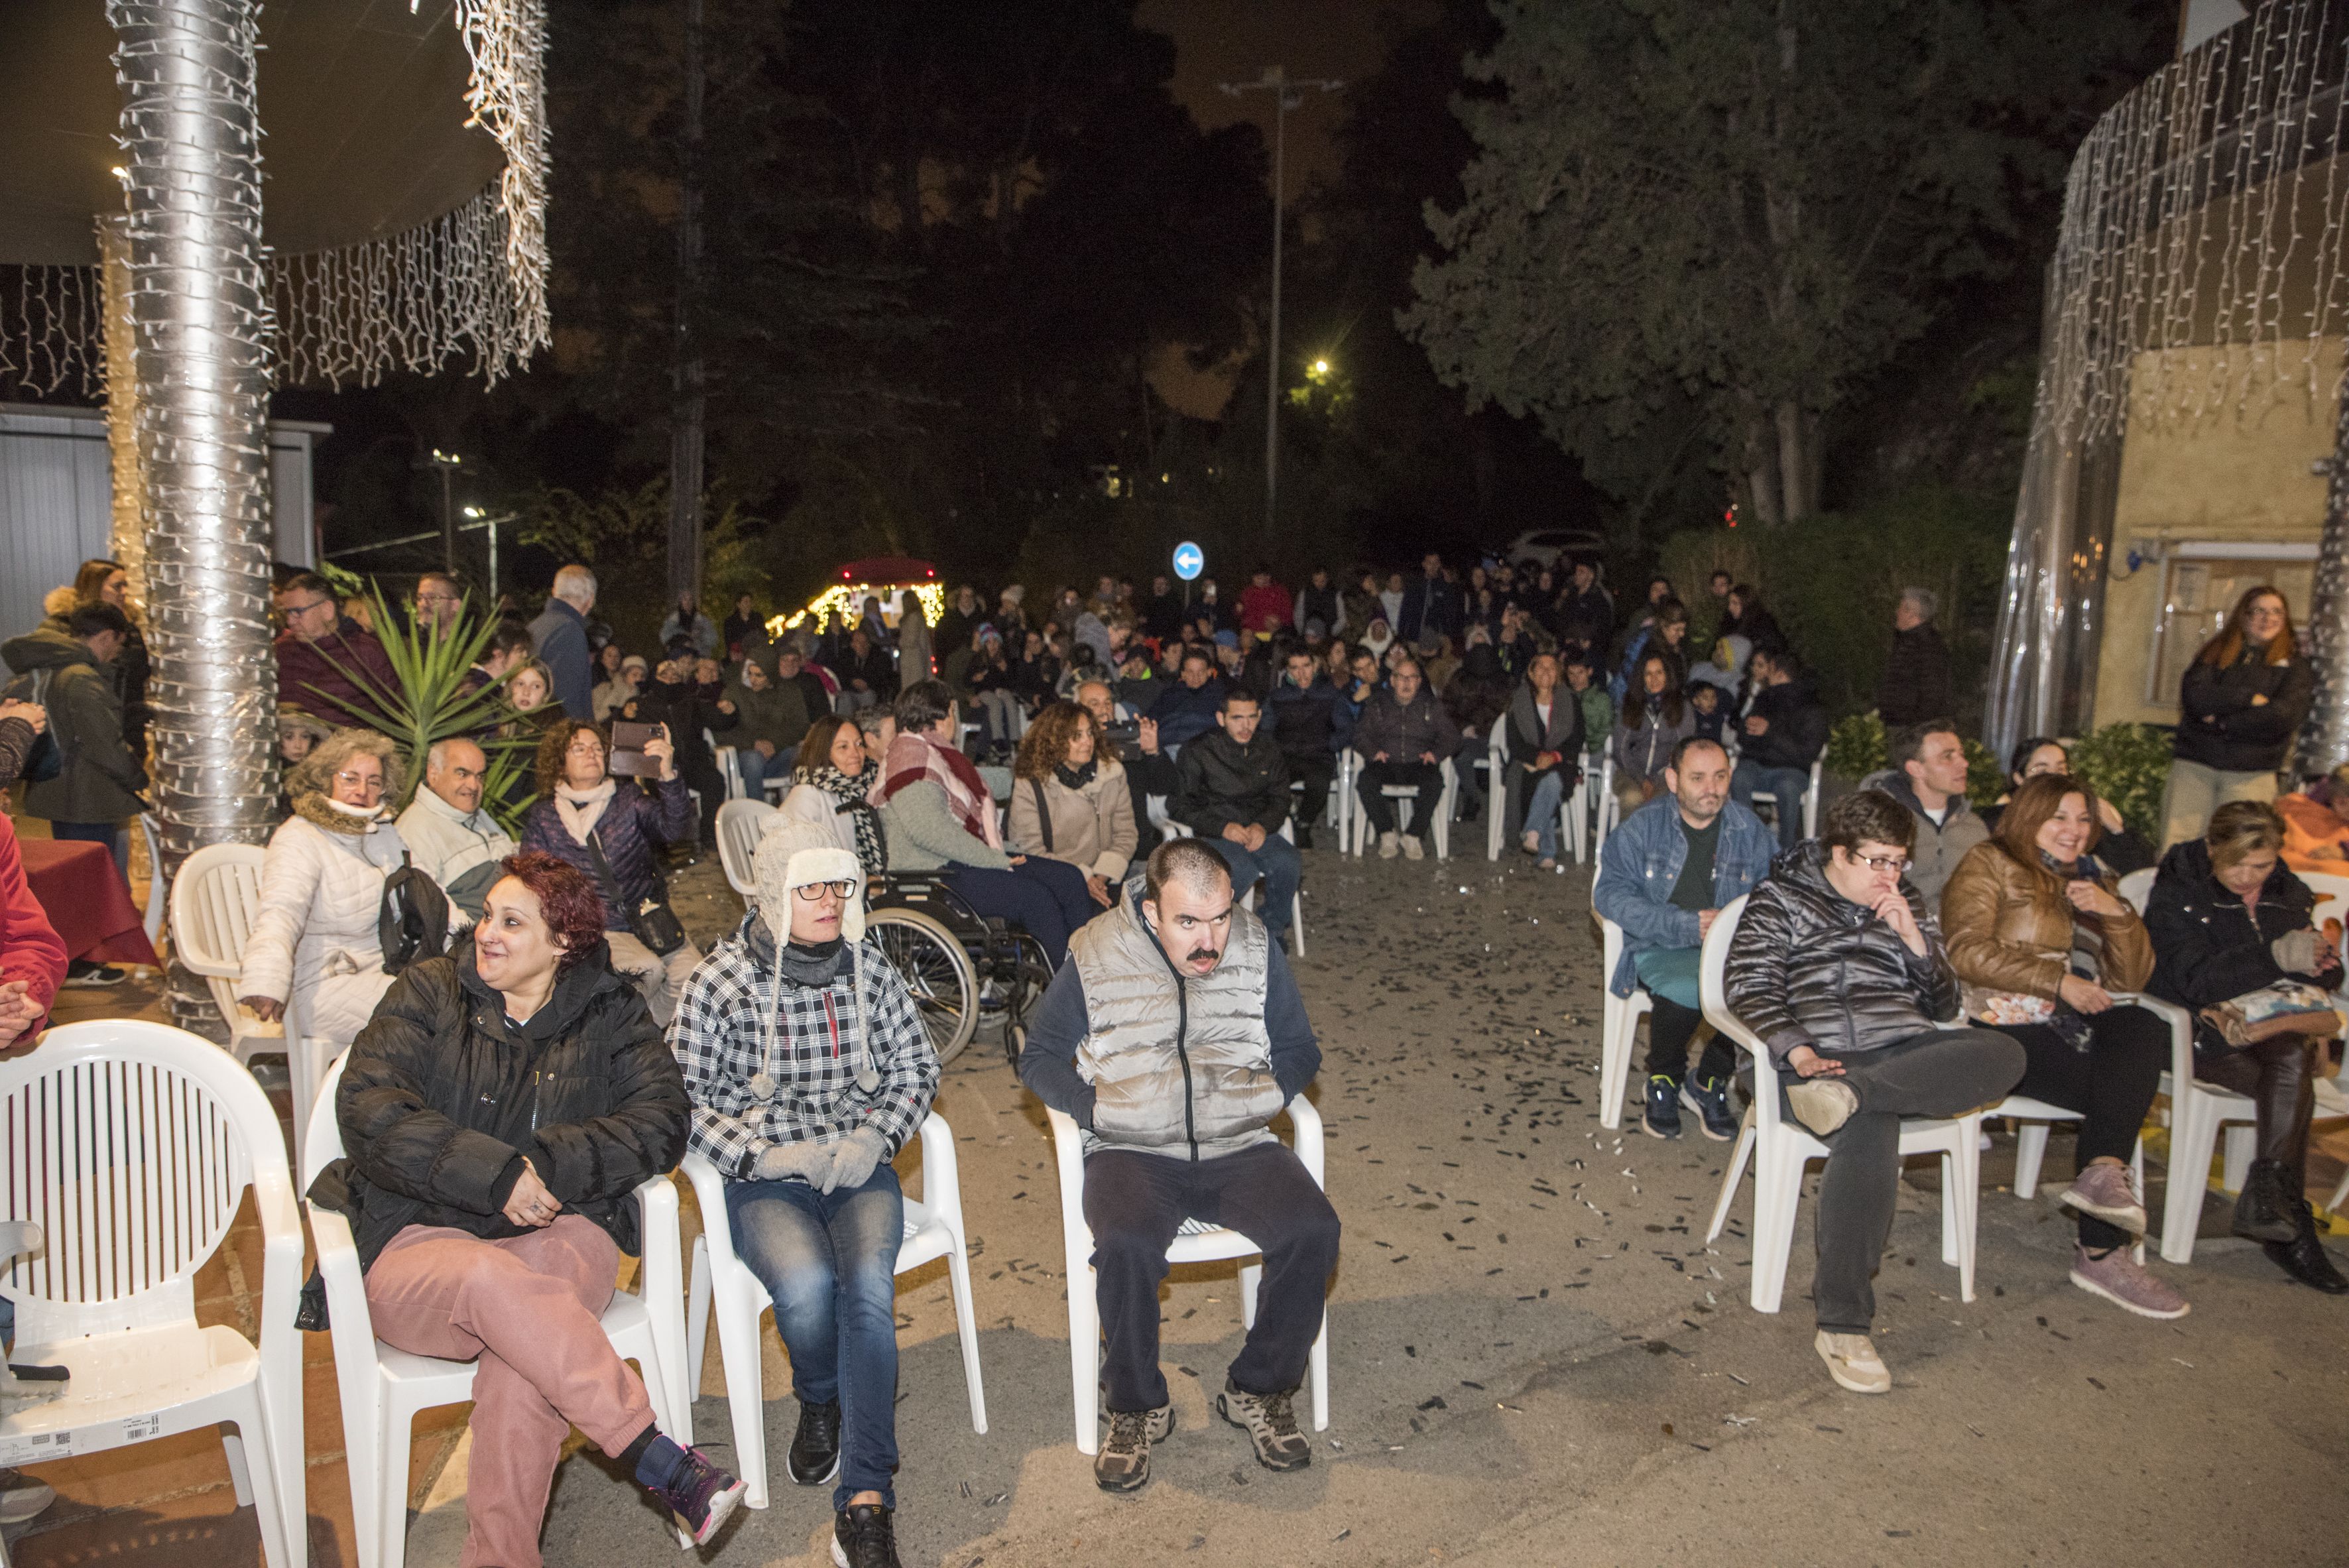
pixel 2239 706
pixel 2227 918
pixel 498 1111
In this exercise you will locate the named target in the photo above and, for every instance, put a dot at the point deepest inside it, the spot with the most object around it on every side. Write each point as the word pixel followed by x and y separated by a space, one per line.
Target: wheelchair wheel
pixel 935 970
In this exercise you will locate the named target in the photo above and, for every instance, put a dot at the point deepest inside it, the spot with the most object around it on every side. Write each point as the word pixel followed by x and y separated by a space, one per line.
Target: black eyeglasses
pixel 812 892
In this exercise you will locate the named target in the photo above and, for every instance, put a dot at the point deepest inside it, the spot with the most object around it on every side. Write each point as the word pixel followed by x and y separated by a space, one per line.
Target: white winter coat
pixel 314 941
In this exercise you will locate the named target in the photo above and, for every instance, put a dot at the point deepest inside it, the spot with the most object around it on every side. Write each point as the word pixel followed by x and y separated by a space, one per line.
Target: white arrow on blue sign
pixel 1189 561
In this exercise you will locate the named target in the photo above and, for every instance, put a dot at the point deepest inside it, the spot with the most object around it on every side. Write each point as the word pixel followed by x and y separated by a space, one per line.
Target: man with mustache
pixel 1173 1035
pixel 1675 863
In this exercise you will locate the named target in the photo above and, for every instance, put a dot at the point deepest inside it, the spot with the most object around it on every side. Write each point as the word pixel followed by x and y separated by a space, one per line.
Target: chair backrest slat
pixel 213 900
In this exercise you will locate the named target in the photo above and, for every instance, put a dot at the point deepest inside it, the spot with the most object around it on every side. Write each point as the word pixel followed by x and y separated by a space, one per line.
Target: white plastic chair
pixel 740 825
pixel 1810 800
pixel 1619 1017
pixel 157 885
pixel 2198 1111
pixel 1780 1149
pixel 1581 803
pixel 1193 1243
pixel 1607 809
pixel 730 765
pixel 383 1389
pixel 722 1281
pixel 131 1145
pixel 1496 785
pixel 1441 827
pixel 212 903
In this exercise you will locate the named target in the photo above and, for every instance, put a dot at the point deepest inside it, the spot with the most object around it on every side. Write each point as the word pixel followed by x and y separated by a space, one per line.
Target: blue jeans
pixel 117 841
pixel 1280 866
pixel 1787 784
pixel 1541 811
pixel 829 1262
pixel 757 768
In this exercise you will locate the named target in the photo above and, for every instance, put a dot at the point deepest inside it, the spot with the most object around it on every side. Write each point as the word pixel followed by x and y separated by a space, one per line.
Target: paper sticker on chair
pixel 143 1428
pixel 38 1449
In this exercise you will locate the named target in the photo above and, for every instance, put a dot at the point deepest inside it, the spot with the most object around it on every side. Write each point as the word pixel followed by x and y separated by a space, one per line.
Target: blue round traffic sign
pixel 1189 561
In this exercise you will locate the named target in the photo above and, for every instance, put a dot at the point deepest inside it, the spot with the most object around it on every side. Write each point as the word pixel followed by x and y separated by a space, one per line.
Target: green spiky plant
pixel 430 701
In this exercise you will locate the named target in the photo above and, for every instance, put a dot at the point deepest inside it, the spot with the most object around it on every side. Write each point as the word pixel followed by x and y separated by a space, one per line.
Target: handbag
pixel 2284 1007
pixel 652 921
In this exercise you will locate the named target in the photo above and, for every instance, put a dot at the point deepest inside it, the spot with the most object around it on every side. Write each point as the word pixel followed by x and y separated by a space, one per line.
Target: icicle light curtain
pixel 2205 210
pixel 469 284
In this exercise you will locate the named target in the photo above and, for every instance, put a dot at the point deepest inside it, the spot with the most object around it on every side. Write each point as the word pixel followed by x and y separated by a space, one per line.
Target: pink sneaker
pixel 2106 1190
pixel 2122 1280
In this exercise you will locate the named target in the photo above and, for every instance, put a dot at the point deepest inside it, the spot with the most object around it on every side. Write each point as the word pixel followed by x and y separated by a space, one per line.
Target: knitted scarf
pixel 850 791
pixel 914 758
pixel 580 809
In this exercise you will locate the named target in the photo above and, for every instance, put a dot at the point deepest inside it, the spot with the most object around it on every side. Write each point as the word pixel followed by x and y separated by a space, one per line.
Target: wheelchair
pixel 968 972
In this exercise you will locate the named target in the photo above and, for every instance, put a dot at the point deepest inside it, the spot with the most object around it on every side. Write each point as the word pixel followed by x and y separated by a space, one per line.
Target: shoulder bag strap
pixel 1044 814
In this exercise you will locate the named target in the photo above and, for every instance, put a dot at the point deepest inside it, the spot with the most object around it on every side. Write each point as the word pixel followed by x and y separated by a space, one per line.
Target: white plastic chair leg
pixel 738 1338
pixel 2340 1195
pixel 1777 1190
pixel 2239 1143
pixel 697 1315
pixel 967 1330
pixel 2030 1153
pixel 1318 1365
pixel 1251 1276
pixel 2193 1132
pixel 1730 1178
pixel 391 1487
pixel 240 1474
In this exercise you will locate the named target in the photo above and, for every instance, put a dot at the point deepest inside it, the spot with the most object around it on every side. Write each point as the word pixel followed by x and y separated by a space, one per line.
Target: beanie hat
pixel 792 854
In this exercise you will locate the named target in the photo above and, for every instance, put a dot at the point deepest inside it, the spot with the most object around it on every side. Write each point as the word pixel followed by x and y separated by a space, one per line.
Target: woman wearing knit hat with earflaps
pixel 809 1069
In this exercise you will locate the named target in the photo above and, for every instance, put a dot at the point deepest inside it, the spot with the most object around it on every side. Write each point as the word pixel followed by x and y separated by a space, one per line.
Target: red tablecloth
pixel 86 900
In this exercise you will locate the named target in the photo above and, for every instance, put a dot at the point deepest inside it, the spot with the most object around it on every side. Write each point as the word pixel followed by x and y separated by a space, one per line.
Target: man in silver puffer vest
pixel 1173 1035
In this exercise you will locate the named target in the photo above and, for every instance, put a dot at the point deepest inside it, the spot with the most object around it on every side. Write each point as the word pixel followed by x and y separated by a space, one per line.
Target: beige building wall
pixel 2211 507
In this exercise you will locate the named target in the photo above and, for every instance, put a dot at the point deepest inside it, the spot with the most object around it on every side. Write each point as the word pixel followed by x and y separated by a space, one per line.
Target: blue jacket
pixel 1641 861
pixel 559 638
pixel 1184 715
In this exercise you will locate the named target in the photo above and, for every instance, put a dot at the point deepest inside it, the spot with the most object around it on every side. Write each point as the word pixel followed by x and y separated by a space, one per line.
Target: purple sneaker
pixel 2105 1190
pixel 701 1495
pixel 2122 1280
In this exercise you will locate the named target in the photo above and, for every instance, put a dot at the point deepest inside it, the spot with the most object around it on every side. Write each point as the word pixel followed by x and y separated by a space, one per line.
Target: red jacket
pixel 307 681
pixel 1264 609
pixel 29 948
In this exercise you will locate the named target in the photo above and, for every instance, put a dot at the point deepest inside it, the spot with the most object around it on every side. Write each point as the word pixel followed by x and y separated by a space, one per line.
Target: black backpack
pixel 45 760
pixel 412 924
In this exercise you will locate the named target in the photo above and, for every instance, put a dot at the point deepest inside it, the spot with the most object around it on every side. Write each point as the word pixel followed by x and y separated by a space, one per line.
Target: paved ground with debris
pixel 1535 1357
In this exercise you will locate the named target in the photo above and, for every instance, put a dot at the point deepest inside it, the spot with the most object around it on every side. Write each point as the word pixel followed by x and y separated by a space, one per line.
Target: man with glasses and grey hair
pixel 327 666
pixel 1838 966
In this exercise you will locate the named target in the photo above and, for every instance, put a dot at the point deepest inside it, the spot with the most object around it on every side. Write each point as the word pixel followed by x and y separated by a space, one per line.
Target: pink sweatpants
pixel 531 1309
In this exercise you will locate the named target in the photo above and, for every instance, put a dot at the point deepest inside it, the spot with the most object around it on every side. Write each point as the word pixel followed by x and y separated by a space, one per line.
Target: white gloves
pixel 855 1159
pixel 810 1161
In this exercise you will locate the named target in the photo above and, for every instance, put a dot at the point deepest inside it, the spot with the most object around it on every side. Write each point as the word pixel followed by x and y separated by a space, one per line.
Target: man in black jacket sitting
pixel 1305 724
pixel 1786 730
pixel 1235 795
pixel 1838 967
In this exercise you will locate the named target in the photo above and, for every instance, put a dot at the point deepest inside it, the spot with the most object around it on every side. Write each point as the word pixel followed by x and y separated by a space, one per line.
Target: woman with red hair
pixel 499 1110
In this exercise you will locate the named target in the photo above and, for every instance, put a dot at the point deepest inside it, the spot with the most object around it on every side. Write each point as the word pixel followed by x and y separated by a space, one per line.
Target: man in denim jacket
pixel 1674 864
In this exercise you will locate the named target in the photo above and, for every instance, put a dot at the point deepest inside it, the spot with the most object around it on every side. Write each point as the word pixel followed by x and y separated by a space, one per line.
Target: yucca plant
pixel 430 701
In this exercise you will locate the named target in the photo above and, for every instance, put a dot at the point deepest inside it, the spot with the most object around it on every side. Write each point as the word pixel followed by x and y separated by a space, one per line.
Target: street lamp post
pixel 447 463
pixel 1279 82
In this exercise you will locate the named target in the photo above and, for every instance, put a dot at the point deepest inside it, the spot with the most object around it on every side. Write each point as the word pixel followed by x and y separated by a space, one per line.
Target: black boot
pixel 2263 1209
pixel 2305 1258
pixel 815 1447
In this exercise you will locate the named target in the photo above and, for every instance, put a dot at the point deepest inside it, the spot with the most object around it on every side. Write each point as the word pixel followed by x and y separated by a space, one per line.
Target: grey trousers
pixel 1945 1073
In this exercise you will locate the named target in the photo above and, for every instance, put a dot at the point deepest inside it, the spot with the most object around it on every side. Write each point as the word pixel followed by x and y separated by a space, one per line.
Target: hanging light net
pixel 468 288
pixel 2204 211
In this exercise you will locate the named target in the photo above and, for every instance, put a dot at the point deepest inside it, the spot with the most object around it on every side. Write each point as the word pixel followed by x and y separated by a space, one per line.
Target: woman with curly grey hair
pixel 314 941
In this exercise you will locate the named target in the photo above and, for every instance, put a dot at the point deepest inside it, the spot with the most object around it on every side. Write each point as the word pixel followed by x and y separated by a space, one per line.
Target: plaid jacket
pixel 722 1040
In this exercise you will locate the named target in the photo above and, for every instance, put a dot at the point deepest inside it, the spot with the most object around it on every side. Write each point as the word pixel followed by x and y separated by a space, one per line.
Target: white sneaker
pixel 1530 841
pixel 1853 1363
pixel 1412 849
pixel 22 1497
pixel 1389 846
pixel 1822 1104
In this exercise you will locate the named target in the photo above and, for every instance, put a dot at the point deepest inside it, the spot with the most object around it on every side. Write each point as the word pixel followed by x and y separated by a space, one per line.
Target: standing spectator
pixel 1188 707
pixel 681 704
pixel 1837 968
pixel 1915 686
pixel 2226 920
pixel 1320 600
pixel 2040 938
pixel 1162 612
pixel 1164 1143
pixel 1069 800
pixel 1234 797
pixel 1586 614
pixel 612 831
pixel 915 651
pixel 1928 778
pixel 1310 724
pixel 937 816
pixel 1672 866
pixel 1545 757
pixel 1264 604
pixel 2239 705
pixel 770 718
pixel 97 781
pixel 744 632
pixel 687 622
pixel 1404 738
pixel 560 637
pixel 448 836
pixel 316 940
pixel 1655 720
pixel 323 659
pixel 1716 589
pixel 105 582
pixel 1785 731
pixel 809 1069
pixel 1431 605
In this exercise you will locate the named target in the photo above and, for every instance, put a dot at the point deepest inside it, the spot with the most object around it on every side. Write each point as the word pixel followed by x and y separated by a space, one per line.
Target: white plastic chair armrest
pixel 1310 1144
pixel 338 1267
pixel 660 1236
pixel 941 1171
pixel 2181 1032
pixel 281 1228
pixel 1069 1152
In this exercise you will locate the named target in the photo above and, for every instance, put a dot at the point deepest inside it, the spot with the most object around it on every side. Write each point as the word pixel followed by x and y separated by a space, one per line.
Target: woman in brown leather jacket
pixel 2040 939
